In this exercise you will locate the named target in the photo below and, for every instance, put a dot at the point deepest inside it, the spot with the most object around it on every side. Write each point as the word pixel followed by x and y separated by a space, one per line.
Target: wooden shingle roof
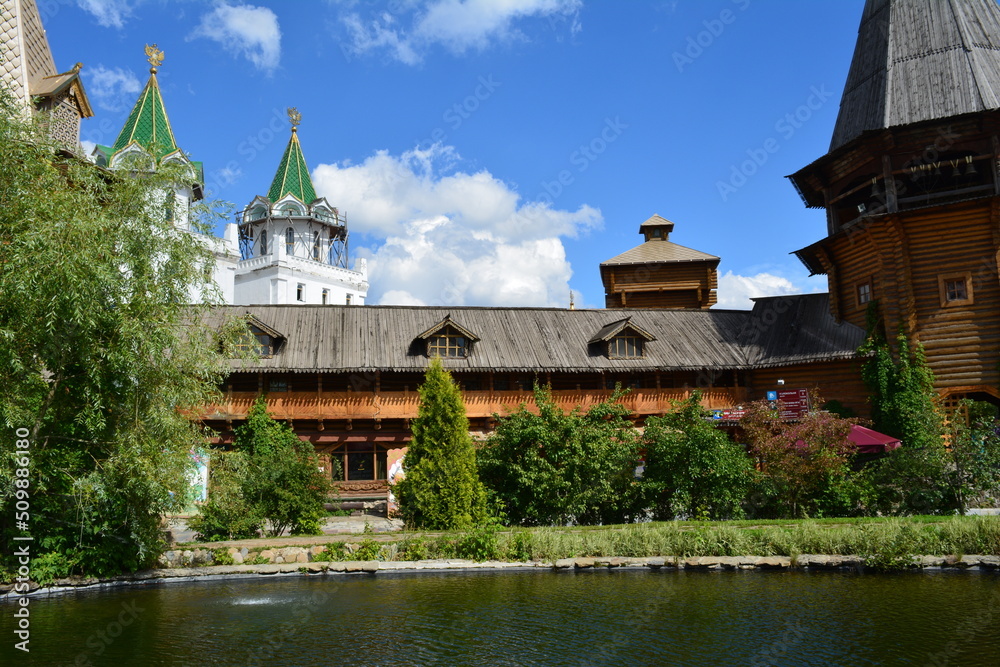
pixel 368 338
pixel 657 251
pixel 920 60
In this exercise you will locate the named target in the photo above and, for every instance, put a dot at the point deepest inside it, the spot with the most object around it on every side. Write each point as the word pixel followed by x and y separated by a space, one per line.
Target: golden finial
pixel 294 117
pixel 154 56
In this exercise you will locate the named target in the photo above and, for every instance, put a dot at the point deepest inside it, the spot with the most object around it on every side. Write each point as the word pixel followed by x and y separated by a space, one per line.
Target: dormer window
pixel 260 341
pixel 625 346
pixel 622 340
pixel 448 343
pixel 447 340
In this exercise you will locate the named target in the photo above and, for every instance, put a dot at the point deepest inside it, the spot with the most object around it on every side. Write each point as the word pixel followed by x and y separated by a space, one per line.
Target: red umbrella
pixel 871 442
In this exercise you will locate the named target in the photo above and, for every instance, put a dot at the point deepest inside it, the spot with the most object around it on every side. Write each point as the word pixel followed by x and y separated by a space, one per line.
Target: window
pixel 289 241
pixel 361 461
pixel 257 340
pixel 348 300
pixel 258 212
pixel 956 289
pixel 316 246
pixel 263 242
pixel 625 346
pixel 300 292
pixel 326 296
pixel 864 293
pixel 448 343
pixel 277 385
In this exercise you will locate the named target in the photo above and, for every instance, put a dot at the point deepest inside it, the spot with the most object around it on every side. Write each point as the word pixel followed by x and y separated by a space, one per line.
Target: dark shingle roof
pixel 920 60
pixel 657 250
pixel 348 338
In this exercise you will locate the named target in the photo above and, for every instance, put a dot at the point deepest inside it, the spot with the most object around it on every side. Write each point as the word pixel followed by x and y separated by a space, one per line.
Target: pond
pixel 522 618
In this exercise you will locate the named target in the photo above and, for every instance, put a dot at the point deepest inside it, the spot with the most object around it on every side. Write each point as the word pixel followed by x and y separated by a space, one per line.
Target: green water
pixel 525 618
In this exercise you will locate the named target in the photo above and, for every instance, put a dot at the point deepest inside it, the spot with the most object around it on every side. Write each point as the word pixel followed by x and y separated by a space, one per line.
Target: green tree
pixel 693 469
pixel 271 480
pixel 441 490
pixel 556 468
pixel 973 470
pixel 100 357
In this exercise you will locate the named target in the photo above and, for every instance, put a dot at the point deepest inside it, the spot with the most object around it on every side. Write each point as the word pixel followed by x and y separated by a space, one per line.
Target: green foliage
pixel 369 549
pixel 973 471
pixel 413 549
pixel 441 490
pixel 692 468
pixel 556 468
pixel 222 557
pixel 804 467
pixel 902 390
pixel 99 355
pixel 910 479
pixel 335 551
pixel 480 544
pixel 271 479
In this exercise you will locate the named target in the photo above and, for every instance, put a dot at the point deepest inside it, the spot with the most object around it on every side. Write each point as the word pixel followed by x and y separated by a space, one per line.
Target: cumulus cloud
pixel 457 25
pixel 736 291
pixel 453 238
pixel 245 30
pixel 109 13
pixel 112 89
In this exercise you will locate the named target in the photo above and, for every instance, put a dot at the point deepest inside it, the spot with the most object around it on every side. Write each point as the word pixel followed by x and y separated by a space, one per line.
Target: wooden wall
pixel 661 285
pixel 835 380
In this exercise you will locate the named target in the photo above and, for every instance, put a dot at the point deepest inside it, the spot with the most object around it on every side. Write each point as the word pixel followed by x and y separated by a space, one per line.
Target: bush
pixel 692 468
pixel 270 480
pixel 481 544
pixel 554 468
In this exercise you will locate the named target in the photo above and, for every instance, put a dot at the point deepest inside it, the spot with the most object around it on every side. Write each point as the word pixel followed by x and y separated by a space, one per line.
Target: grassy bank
pixel 876 539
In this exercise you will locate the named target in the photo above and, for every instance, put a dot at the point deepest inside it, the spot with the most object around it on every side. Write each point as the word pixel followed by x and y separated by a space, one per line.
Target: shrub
pixel 441 490
pixel 692 468
pixel 555 468
pixel 480 544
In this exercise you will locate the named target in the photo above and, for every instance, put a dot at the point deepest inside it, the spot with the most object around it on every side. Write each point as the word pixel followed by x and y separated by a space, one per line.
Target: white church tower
pixel 146 142
pixel 294 244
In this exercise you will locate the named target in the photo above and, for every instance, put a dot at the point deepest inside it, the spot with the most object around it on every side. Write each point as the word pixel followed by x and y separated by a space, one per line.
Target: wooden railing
pixel 403 405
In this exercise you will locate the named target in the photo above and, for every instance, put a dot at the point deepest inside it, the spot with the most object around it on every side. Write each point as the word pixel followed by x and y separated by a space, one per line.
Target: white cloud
pixel 109 13
pixel 245 30
pixel 455 238
pixel 113 89
pixel 736 291
pixel 457 25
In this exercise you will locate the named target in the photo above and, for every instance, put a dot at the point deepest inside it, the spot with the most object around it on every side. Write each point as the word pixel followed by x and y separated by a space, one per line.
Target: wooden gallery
pixel 911 187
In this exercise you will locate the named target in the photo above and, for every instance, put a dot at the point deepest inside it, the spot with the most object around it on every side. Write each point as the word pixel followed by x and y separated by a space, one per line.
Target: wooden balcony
pixel 403 405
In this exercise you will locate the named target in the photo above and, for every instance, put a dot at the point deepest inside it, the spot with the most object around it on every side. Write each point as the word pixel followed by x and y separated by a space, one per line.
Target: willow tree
pixel 100 354
pixel 441 489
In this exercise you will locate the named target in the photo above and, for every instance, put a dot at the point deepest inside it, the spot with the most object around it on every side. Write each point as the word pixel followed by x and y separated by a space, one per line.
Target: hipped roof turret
pixel 292 177
pixel 148 125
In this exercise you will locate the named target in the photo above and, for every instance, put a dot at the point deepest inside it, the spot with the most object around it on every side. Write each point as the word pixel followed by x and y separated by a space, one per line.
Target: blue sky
pixel 495 152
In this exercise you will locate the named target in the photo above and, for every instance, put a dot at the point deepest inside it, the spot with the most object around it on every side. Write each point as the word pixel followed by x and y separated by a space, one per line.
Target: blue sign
pixel 772 395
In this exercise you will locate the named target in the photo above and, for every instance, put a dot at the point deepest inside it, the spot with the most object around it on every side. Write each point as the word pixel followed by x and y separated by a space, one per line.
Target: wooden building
pixel 346 378
pixel 911 186
pixel 660 273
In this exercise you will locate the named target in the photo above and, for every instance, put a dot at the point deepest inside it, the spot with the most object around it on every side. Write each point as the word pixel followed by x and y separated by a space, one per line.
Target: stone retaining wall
pixel 292 565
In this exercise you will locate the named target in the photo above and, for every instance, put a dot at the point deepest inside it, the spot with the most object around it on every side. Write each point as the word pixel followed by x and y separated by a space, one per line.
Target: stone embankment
pixel 196 564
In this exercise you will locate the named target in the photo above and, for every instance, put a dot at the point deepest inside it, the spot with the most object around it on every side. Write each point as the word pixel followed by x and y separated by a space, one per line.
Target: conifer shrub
pixel 441 490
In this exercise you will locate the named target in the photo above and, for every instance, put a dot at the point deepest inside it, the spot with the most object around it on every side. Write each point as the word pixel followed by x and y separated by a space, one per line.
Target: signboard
pixel 729 415
pixel 793 403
